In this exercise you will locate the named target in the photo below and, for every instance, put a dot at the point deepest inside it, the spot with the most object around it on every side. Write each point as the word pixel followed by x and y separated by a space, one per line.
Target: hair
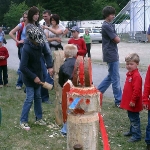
pixel 25 13
pixel 32 11
pixel 70 50
pixel 21 19
pixel 108 10
pixel 55 17
pixel 133 57
pixel 47 11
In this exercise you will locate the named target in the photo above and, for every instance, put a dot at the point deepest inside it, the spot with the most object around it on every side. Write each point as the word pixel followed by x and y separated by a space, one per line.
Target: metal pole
pixel 144 16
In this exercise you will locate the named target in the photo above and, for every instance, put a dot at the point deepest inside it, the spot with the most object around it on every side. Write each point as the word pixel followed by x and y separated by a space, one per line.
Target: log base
pixel 83 130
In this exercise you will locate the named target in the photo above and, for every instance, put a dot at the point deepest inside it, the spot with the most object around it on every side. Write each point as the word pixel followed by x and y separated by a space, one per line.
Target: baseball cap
pixel 75 28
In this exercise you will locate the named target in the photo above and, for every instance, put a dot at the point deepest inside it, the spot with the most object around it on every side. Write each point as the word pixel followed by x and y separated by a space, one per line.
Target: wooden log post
pixel 83 130
pixel 58 61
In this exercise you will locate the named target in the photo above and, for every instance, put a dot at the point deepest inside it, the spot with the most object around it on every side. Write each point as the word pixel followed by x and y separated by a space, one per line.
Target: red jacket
pixel 3 52
pixel 146 93
pixel 80 43
pixel 132 92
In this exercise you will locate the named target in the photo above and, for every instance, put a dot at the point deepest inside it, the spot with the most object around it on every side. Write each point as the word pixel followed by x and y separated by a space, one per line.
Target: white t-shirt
pixel 52 35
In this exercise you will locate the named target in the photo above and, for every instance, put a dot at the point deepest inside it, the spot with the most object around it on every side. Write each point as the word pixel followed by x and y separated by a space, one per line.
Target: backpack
pixel 18 36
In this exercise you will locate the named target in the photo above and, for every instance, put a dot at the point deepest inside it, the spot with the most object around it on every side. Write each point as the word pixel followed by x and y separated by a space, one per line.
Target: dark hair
pixel 108 10
pixel 32 11
pixel 55 17
pixel 47 11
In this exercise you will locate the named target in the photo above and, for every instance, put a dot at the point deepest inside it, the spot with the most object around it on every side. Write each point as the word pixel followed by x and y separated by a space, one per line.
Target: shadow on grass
pixel 12 137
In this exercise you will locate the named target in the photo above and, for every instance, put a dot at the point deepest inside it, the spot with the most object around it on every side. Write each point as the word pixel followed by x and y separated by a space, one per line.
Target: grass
pixel 12 137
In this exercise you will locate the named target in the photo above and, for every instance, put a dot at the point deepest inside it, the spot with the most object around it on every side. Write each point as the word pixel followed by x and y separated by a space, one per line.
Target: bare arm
pixel 12 32
pixel 55 31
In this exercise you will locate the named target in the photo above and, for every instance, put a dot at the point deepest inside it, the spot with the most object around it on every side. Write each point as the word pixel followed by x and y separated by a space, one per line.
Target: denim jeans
pixel 19 80
pixel 147 138
pixel 3 75
pixel 113 78
pixel 32 94
pixel 134 124
pixel 47 78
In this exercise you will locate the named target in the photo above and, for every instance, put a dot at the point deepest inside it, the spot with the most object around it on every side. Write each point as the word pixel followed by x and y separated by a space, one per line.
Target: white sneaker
pixel 1 86
pixel 18 87
pixel 40 122
pixel 25 126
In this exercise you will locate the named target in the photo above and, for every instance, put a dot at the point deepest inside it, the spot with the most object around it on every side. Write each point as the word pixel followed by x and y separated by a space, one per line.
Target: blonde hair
pixel 70 50
pixel 133 57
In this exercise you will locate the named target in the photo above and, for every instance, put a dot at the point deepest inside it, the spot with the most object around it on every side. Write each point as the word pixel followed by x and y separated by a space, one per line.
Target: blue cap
pixel 75 28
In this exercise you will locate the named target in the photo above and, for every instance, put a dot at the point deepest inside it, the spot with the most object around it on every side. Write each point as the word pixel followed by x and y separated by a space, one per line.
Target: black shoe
pixel 117 105
pixel 148 147
pixel 47 102
pixel 127 134
pixel 132 140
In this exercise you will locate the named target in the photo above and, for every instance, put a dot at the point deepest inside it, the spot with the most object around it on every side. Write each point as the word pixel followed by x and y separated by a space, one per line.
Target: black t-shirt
pixel 109 48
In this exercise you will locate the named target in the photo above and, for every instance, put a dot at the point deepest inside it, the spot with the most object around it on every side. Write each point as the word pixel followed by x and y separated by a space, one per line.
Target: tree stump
pixel 58 61
pixel 83 130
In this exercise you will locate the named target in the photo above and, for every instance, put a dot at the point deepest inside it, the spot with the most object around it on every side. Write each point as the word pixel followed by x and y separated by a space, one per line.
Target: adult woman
pixel 34 48
pixel 87 39
pixel 54 33
pixel 20 29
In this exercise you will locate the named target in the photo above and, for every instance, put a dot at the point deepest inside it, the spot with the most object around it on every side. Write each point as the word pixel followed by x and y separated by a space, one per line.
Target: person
pixel 20 29
pixel 145 99
pixel 54 33
pixel 79 42
pixel 110 55
pixel 66 73
pixel 2 34
pixel 30 66
pixel 132 97
pixel 87 39
pixel 3 64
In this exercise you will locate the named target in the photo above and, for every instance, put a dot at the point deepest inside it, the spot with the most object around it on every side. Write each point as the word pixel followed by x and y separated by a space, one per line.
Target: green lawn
pixel 12 137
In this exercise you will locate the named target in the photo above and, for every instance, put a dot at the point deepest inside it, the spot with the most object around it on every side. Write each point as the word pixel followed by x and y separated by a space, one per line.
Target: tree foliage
pixel 66 9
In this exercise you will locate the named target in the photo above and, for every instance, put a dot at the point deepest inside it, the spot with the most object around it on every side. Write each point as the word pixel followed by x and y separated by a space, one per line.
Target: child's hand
pixel 37 80
pixel 132 104
pixel 2 57
pixel 145 106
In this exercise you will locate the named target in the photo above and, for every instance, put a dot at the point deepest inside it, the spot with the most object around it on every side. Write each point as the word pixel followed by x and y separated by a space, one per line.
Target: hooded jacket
pixel 30 65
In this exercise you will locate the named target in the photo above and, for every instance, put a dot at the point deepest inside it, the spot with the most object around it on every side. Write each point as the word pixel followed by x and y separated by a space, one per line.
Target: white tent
pixel 139 15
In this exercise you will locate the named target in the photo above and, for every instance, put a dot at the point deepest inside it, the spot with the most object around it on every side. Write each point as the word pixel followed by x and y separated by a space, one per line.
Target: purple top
pixel 148 32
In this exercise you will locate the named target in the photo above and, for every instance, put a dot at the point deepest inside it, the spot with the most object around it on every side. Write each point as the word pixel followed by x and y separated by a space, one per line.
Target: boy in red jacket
pixel 146 105
pixel 3 64
pixel 79 42
pixel 132 97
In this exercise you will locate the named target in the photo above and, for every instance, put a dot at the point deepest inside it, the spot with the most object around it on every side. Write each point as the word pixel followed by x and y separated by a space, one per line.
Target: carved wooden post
pixel 58 61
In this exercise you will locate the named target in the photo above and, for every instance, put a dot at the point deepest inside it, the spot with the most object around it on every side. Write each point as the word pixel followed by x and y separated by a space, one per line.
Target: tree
pixel 12 17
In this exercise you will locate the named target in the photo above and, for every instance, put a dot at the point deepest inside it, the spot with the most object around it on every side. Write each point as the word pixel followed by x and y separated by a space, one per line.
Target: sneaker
pixel 117 105
pixel 1 86
pixel 131 140
pixel 127 134
pixel 148 147
pixel 25 126
pixel 18 87
pixel 40 122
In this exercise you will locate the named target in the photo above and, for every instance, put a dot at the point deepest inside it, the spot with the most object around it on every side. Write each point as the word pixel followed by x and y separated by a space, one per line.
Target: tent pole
pixel 144 15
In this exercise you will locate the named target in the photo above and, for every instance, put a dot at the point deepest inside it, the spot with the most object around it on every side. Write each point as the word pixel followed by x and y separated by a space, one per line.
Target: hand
pixel 44 27
pixel 37 80
pixel 50 71
pixel 145 106
pixel 2 57
pixel 58 40
pixel 132 104
pixel 21 41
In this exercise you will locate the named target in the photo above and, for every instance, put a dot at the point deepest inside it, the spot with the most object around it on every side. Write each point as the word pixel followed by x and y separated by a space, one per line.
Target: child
pixel 110 40
pixel 3 64
pixel 79 42
pixel 132 97
pixel 65 73
pixel 31 68
pixel 146 105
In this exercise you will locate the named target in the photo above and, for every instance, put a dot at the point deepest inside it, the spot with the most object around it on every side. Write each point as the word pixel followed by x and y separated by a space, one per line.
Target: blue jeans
pixel 47 78
pixel 147 138
pixel 134 124
pixel 113 78
pixel 19 80
pixel 32 94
